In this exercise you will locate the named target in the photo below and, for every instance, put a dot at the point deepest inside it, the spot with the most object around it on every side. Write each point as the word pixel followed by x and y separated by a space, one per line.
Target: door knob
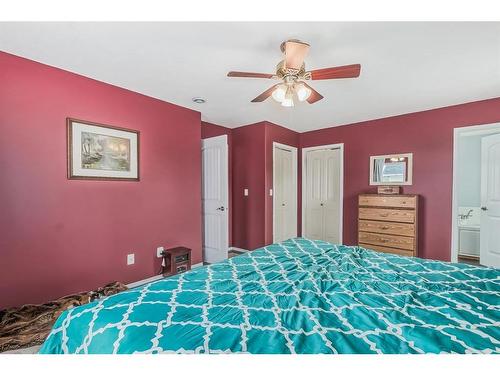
pixel 484 208
pixel 221 208
pixel 321 204
pixel 283 204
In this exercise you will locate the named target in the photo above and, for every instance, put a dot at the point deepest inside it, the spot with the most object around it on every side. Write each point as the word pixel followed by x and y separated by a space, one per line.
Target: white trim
pixel 155 278
pixel 232 248
pixel 144 281
pixel 409 177
pixel 339 146
pixel 458 132
pixel 277 145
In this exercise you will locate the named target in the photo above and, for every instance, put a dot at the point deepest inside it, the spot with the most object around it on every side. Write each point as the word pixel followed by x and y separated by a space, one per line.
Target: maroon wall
pixel 248 160
pixel 209 130
pixel 60 236
pixel 252 168
pixel 429 136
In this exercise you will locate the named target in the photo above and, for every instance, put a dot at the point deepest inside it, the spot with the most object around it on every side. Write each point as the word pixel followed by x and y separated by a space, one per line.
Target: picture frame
pixel 98 151
pixel 393 169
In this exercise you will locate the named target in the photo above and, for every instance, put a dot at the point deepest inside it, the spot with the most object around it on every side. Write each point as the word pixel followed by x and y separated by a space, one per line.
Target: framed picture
pixel 102 152
pixel 395 169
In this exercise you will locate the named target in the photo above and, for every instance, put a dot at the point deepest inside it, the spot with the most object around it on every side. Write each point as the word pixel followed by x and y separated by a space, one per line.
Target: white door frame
pixel 277 145
pixel 457 132
pixel 339 146
pixel 222 138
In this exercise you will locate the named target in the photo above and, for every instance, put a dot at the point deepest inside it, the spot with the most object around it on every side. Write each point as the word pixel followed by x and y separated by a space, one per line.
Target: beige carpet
pixel 30 350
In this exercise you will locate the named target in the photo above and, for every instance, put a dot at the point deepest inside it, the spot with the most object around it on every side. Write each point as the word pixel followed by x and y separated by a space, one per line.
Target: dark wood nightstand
pixel 177 260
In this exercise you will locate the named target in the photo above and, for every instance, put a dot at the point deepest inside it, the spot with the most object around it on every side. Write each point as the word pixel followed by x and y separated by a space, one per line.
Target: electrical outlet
pixel 245 192
pixel 270 192
pixel 159 250
pixel 130 259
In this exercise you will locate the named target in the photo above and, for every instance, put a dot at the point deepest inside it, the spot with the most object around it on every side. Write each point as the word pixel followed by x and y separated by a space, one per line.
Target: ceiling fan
pixel 291 70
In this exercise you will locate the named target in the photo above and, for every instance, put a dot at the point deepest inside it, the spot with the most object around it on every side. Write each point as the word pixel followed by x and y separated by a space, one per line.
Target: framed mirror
pixel 393 169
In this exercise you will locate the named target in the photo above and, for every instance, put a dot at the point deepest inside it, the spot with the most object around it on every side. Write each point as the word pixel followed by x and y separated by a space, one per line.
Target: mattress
pixel 298 296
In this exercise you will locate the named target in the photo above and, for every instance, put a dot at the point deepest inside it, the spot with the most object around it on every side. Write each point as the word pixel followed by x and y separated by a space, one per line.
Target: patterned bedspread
pixel 299 296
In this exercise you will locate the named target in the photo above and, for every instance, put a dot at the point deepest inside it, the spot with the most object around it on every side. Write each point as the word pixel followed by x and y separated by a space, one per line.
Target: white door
pixel 331 196
pixel 215 198
pixel 313 225
pixel 490 201
pixel 284 193
pixel 323 195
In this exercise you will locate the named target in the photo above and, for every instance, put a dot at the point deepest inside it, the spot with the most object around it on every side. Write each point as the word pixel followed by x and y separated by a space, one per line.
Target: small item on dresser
pixel 176 260
pixel 389 189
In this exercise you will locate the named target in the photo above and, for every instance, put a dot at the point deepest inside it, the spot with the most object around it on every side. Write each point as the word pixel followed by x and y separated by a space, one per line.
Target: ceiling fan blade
pixel 315 96
pixel 346 71
pixel 266 94
pixel 295 53
pixel 249 75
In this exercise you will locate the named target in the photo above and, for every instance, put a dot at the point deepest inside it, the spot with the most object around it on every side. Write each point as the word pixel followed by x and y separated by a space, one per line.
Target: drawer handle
pixel 383 215
pixel 384 227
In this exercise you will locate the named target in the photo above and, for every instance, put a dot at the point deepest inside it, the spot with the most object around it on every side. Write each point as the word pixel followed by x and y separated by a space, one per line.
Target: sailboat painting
pixel 105 152
pixel 97 151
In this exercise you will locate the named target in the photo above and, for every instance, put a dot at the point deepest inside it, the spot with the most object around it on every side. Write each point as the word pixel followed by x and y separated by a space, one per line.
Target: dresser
pixel 388 223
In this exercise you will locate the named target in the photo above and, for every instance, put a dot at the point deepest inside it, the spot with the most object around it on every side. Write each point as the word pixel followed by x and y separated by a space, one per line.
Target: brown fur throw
pixel 29 325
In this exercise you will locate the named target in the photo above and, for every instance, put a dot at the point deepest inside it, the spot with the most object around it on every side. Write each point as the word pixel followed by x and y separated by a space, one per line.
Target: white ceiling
pixel 406 67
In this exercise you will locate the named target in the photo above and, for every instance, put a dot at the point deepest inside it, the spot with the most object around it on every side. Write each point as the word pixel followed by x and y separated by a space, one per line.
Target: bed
pixel 298 296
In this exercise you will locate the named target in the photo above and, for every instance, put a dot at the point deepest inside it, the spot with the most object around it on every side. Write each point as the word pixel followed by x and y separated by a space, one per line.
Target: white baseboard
pixel 238 249
pixel 144 281
pixel 155 278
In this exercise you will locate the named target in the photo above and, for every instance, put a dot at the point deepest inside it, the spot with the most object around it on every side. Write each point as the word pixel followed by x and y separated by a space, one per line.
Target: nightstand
pixel 177 260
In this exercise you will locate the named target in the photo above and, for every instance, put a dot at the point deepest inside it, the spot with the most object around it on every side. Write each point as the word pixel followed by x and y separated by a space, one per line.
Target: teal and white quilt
pixel 298 296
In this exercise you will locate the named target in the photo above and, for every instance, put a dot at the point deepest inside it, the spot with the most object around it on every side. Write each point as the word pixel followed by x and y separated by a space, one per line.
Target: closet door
pixel 322 195
pixel 285 195
pixel 331 195
pixel 314 195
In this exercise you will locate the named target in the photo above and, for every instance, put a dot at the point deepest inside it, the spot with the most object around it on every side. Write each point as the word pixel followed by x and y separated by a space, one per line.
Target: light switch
pixel 130 259
pixel 245 192
pixel 159 251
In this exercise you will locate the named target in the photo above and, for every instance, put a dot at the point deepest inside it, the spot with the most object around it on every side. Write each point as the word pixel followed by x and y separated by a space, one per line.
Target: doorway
pixel 284 192
pixel 476 195
pixel 322 192
pixel 215 199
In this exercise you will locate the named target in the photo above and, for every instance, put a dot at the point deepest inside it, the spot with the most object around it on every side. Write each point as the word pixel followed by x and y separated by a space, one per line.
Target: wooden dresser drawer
pixel 388 249
pixel 387 240
pixel 387 214
pixel 399 201
pixel 400 229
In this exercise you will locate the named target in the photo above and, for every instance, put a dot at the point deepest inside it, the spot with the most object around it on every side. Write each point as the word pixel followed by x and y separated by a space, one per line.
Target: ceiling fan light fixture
pixel 288 100
pixel 279 93
pixel 292 74
pixel 302 91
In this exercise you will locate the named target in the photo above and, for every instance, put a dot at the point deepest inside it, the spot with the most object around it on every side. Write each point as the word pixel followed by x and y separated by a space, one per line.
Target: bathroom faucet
pixel 466 216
